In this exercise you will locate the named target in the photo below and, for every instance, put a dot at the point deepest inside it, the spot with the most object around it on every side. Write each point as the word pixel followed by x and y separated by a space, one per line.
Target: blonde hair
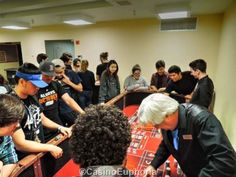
pixel 155 108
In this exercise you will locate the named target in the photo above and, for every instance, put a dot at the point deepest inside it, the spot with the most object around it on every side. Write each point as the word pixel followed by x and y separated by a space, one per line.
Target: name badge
pixel 187 137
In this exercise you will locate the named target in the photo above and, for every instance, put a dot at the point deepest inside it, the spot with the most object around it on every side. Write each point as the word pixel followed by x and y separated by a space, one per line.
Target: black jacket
pixel 204 149
pixel 203 93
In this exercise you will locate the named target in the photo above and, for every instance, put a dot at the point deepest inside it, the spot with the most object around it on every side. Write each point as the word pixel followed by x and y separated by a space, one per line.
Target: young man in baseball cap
pixel 50 95
pixel 28 136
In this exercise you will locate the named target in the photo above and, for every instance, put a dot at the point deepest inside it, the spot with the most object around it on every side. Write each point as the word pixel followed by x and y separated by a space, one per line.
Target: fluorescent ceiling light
pixel 78 19
pixel 78 22
pixel 14 27
pixel 172 15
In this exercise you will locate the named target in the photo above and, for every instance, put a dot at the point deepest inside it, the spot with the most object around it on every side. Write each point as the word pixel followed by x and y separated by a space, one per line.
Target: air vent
pixel 123 3
pixel 179 24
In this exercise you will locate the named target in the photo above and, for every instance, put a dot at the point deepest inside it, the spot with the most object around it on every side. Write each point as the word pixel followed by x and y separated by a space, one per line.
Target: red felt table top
pixel 144 143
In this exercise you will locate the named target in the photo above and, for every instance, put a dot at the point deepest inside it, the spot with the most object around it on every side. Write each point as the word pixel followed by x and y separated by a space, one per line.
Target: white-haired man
pixel 192 134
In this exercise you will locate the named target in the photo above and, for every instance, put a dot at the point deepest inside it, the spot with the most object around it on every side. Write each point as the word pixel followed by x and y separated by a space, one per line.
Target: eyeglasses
pixel 137 73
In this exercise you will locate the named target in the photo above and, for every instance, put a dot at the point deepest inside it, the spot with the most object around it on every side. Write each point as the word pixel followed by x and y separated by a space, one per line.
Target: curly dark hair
pixel 12 110
pixel 100 137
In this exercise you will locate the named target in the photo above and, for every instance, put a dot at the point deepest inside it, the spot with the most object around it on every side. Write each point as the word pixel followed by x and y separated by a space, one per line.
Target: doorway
pixel 55 48
pixel 10 60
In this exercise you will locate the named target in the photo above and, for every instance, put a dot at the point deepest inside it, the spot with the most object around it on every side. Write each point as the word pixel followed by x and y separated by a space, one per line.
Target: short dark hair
pixel 66 57
pixel 174 69
pixel 104 55
pixel 75 61
pixel 12 110
pixel 101 136
pixel 160 63
pixel 80 57
pixel 135 68
pixel 41 57
pixel 27 68
pixel 198 64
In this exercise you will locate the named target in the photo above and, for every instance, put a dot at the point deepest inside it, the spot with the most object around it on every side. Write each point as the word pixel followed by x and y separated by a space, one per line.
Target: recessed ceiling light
pixel 14 27
pixel 77 19
pixel 172 15
pixel 78 22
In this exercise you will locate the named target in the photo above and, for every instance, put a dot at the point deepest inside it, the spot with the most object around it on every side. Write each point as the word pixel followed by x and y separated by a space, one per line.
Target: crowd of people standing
pixel 52 96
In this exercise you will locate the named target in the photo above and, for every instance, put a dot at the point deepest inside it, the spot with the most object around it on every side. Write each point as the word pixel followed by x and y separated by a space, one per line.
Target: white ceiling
pixel 49 12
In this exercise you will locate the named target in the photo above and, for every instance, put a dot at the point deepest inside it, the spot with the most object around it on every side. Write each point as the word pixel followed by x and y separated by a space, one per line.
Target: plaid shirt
pixel 7 151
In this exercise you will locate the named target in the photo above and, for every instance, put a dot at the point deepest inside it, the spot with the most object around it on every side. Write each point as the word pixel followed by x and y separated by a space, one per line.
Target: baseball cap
pixel 47 68
pixel 58 63
pixel 35 79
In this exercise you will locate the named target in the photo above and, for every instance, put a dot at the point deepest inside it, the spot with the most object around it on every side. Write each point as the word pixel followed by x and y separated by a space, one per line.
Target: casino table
pixel 140 153
pixel 145 141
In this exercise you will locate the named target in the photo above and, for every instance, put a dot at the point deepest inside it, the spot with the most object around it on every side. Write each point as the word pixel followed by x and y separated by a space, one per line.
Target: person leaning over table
pixel 49 97
pixel 12 112
pixel 99 142
pixel 159 79
pixel 136 82
pixel 28 136
pixel 180 83
pixel 191 134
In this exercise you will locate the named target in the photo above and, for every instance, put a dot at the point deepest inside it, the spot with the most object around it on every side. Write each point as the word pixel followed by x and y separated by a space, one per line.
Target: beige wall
pixel 129 42
pixel 140 41
pixel 225 82
pixel 3 66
